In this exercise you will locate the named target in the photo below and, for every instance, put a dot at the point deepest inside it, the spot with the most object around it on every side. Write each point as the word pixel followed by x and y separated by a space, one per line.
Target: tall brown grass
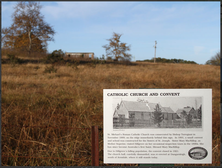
pixel 73 97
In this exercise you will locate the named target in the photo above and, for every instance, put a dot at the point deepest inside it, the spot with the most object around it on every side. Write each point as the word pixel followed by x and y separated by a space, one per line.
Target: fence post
pixel 95 146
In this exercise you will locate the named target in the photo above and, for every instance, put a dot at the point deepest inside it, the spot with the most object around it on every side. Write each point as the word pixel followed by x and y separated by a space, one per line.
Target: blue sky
pixel 183 30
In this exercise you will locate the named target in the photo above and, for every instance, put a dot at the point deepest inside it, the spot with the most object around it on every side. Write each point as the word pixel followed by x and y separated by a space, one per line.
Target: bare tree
pixel 29 24
pixel 215 60
pixel 117 49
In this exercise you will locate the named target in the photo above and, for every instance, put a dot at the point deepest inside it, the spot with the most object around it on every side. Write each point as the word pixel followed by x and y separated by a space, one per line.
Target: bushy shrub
pixel 215 60
pixel 125 61
pixel 55 56
pixel 96 61
pixel 74 64
pixel 13 59
pixel 109 59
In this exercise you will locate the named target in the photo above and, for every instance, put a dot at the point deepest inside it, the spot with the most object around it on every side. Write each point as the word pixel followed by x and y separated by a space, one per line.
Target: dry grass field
pixel 46 116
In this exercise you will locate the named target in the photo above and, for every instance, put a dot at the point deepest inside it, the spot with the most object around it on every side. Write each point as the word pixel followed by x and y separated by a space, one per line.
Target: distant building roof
pixel 79 52
pixel 186 109
pixel 115 114
pixel 179 111
pixel 145 107
pixel 167 109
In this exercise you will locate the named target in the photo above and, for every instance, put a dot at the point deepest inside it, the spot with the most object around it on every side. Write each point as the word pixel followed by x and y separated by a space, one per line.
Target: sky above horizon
pixel 183 30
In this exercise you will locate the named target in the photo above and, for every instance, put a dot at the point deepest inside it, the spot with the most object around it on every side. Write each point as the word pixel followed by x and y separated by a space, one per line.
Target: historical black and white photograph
pixel 163 126
pixel 158 113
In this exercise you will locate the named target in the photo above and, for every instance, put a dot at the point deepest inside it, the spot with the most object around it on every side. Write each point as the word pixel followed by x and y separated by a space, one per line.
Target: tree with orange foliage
pixel 22 43
pixel 116 49
pixel 28 31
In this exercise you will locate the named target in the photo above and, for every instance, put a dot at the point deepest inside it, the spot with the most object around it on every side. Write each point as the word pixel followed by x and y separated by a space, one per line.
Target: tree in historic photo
pixel 189 119
pixel 157 115
pixel 199 113
pixel 183 116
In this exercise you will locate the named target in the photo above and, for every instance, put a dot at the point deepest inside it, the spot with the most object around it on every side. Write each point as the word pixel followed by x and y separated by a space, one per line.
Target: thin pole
pixel 155 52
pixel 95 146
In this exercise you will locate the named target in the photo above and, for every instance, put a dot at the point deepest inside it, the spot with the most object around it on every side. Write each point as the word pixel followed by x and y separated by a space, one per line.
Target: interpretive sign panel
pixel 157 126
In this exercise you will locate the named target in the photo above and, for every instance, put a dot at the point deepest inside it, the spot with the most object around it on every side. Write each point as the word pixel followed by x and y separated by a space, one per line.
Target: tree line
pixel 164 60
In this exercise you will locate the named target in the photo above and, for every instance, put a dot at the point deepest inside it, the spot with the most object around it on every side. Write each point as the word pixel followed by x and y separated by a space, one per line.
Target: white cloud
pixel 198 49
pixel 80 9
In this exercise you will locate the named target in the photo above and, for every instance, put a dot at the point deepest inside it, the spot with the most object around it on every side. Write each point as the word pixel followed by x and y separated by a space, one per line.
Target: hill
pixel 46 115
